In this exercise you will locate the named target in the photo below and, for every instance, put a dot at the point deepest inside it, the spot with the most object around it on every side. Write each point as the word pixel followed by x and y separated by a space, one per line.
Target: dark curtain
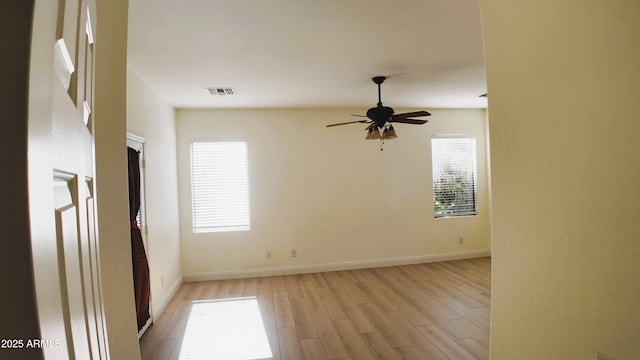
pixel 141 282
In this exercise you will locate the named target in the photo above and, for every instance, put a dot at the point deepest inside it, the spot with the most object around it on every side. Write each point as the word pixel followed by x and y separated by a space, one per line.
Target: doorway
pixel 138 143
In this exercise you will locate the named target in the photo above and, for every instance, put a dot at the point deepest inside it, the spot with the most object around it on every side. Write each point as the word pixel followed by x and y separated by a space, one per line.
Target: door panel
pixel 66 244
pixel 87 271
pixel 71 286
pixel 97 321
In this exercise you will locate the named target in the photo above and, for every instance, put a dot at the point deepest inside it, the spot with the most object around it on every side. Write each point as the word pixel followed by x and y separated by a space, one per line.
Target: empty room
pixel 313 210
pixel 321 180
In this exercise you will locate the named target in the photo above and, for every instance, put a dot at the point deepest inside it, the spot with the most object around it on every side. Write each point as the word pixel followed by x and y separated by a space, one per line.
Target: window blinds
pixel 219 186
pixel 454 175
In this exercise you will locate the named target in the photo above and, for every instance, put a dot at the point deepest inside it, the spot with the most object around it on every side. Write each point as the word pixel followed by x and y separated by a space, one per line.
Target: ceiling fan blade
pixel 408 121
pixel 349 122
pixel 412 114
pixel 358 115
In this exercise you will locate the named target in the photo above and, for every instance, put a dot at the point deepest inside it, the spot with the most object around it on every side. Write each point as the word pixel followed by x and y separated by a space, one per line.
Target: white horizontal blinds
pixel 220 186
pixel 454 175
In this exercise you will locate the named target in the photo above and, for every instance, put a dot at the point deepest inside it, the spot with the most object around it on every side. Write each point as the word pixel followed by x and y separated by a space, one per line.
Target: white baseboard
pixel 161 304
pixel 346 265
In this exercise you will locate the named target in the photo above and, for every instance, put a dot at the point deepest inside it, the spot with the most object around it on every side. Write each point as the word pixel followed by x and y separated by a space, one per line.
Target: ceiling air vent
pixel 221 91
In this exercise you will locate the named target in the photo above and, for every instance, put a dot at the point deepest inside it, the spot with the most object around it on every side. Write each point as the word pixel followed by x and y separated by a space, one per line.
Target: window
pixel 454 175
pixel 219 186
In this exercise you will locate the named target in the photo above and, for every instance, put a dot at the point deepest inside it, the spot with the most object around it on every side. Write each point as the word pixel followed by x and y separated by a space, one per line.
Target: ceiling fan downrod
pixel 379 80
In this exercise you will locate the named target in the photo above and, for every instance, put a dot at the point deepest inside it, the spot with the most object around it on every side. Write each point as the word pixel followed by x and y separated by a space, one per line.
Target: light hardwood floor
pixel 425 311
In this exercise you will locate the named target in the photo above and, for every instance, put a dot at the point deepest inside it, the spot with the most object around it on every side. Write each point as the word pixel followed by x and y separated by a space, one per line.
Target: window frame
pixel 474 177
pixel 201 227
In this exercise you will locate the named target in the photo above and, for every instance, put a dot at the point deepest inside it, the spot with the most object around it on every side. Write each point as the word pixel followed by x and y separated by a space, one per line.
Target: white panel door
pixel 61 181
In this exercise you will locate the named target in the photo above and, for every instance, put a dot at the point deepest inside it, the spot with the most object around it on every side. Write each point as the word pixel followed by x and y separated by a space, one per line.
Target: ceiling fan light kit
pixel 389 133
pixel 373 133
pixel 381 117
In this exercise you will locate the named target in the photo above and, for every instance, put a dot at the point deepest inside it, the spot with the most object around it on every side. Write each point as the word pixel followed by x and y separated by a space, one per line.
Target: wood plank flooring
pixel 425 311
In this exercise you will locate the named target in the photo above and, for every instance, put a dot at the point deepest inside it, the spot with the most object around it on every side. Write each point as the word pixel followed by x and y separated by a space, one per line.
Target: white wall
pixel 564 84
pixel 327 192
pixel 149 116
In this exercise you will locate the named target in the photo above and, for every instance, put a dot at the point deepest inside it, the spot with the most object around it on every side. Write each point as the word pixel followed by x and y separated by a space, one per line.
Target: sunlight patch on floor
pixel 230 329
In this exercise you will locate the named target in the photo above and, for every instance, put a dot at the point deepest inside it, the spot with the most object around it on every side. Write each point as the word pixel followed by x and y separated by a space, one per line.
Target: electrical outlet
pixel 268 254
pixel 294 252
pixel 460 240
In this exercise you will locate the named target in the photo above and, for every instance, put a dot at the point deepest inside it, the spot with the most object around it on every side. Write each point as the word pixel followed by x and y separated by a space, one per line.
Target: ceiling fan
pixel 381 117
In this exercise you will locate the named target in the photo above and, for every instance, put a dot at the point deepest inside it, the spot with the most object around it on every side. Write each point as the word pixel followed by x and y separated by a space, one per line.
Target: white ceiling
pixel 310 53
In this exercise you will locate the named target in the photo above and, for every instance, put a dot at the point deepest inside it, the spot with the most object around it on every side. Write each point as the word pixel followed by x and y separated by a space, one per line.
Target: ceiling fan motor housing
pixel 380 114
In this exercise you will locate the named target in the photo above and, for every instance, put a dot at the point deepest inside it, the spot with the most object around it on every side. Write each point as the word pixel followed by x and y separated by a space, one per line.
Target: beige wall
pixel 564 84
pixel 327 192
pixel 151 117
pixel 112 197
